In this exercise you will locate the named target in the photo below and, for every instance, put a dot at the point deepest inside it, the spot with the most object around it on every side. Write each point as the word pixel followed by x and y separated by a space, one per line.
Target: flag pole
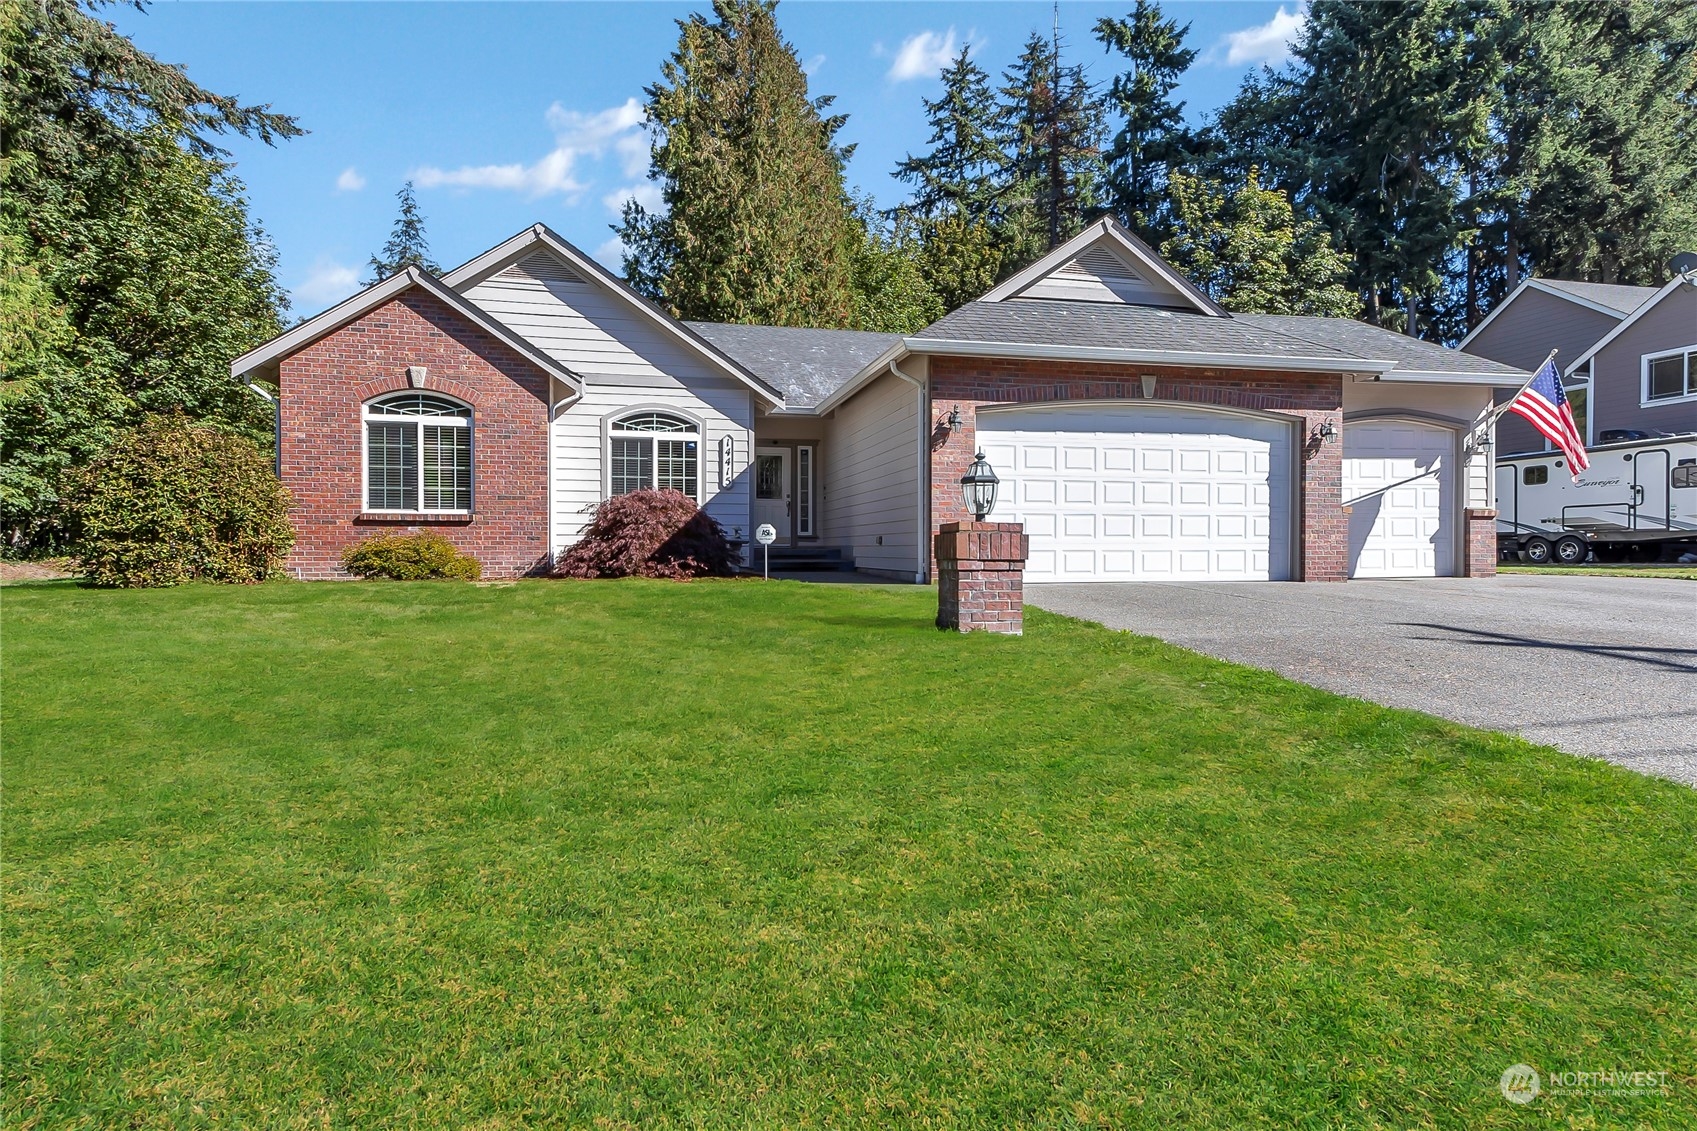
pixel 1497 413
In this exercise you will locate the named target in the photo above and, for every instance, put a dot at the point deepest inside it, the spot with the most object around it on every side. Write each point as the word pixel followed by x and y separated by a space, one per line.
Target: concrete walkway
pixel 1604 666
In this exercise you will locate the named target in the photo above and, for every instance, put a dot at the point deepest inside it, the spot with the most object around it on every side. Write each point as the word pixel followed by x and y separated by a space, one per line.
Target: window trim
pixel 610 431
pixel 1646 360
pixel 467 420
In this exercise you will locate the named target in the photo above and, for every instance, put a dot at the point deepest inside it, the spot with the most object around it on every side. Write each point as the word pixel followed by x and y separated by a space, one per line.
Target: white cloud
pixel 922 55
pixel 811 67
pixel 576 135
pixel 328 282
pixel 612 254
pixel 350 180
pixel 1267 43
pixel 646 194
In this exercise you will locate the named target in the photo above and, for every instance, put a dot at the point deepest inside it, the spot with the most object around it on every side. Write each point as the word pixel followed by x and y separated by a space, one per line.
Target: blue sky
pixel 507 114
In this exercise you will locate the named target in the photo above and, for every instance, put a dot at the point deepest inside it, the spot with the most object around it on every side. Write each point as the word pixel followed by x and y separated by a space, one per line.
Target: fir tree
pixel 1152 139
pixel 407 246
pixel 1051 132
pixel 757 225
pixel 959 175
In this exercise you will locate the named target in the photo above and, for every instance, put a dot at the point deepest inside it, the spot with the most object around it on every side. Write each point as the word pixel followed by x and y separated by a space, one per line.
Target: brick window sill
pixel 416 518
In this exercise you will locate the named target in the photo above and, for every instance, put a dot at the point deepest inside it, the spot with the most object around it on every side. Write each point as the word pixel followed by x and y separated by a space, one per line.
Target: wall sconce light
pixel 1148 380
pixel 954 419
pixel 1325 431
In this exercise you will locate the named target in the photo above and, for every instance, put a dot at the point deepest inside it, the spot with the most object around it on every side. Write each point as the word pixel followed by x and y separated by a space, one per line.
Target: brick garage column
pixel 981 576
pixel 1481 532
pixel 1325 521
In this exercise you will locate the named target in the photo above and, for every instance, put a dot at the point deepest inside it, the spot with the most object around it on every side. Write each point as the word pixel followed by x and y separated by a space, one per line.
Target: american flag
pixel 1542 401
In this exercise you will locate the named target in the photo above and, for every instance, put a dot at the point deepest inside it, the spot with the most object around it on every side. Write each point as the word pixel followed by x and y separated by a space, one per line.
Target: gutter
pixel 922 560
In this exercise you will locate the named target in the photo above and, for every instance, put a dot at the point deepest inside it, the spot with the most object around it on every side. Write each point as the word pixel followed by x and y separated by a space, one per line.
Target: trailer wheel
pixel 1536 550
pixel 1570 549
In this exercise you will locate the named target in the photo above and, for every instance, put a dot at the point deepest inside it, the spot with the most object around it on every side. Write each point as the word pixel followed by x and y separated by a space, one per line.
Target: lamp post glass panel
pixel 978 488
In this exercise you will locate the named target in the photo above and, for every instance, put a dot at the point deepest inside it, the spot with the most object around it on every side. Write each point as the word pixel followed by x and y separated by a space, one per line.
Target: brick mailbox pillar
pixel 981 576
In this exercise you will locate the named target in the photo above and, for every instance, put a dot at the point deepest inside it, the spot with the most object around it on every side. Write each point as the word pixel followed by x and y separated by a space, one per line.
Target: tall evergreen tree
pixel 407 245
pixel 757 226
pixel 1051 135
pixel 959 176
pixel 1152 139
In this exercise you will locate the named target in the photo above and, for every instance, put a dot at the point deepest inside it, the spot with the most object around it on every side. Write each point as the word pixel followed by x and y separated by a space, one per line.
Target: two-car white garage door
pixel 1128 492
pixel 1144 492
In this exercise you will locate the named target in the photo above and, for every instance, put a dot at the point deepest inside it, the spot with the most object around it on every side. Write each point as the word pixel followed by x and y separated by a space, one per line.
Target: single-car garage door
pixel 1397 482
pixel 1126 492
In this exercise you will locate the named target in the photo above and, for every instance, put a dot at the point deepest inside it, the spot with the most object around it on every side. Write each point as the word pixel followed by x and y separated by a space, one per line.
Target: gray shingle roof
pixel 1059 323
pixel 1056 322
pixel 1363 340
pixel 805 365
pixel 1615 296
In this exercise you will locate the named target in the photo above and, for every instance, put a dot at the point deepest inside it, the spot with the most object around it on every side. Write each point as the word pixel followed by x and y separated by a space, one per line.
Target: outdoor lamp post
pixel 978 488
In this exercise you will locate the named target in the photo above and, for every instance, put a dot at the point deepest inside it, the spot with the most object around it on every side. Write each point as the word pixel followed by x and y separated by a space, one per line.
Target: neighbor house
pixel 1139 430
pixel 1628 355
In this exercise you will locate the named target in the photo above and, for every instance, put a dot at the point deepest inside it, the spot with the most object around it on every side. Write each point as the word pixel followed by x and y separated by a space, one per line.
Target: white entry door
pixel 1130 492
pixel 772 490
pixel 1398 481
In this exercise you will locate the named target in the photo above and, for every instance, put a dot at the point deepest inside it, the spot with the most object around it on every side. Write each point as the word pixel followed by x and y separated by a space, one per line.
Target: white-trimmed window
pixel 417 454
pixel 1670 376
pixel 654 449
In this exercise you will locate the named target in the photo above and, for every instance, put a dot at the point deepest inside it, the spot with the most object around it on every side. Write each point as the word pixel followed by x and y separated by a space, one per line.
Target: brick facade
pixel 1312 398
pixel 1481 536
pixel 981 576
pixel 323 388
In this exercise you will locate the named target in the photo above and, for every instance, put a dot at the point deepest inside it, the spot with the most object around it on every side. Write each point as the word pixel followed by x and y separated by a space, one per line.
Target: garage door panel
pixel 1400 486
pixel 1145 491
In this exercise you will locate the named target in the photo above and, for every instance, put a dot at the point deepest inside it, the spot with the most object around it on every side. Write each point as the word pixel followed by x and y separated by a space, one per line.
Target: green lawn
pixel 742 854
pixel 1623 569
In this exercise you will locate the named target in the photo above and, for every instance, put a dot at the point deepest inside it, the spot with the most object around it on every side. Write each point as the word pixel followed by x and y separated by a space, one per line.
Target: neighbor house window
pixel 1670 375
pixel 654 449
pixel 417 454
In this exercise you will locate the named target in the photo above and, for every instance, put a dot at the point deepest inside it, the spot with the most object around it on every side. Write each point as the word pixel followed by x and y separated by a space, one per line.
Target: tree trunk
pixel 1512 260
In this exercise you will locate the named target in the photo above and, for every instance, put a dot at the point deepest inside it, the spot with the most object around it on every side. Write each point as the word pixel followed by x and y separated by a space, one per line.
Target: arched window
pixel 417 454
pixel 654 449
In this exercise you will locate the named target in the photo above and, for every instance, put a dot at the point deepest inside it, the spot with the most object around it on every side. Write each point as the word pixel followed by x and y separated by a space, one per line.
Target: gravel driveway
pixel 1605 666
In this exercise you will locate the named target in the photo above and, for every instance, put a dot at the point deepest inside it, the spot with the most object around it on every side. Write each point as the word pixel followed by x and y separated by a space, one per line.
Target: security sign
pixel 766 534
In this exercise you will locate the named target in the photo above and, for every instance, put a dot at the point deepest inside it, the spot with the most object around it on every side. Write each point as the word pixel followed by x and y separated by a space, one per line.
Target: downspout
pixel 276 428
pixel 922 559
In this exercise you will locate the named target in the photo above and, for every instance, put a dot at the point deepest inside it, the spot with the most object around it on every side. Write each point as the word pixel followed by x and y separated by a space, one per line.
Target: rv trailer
pixel 1636 502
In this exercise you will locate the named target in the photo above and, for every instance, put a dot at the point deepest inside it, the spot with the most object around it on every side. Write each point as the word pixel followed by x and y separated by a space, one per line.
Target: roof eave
pixel 1430 377
pixel 864 376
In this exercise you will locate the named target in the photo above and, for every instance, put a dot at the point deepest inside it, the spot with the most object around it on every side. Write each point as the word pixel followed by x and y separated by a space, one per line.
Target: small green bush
pixel 173 501
pixel 426 556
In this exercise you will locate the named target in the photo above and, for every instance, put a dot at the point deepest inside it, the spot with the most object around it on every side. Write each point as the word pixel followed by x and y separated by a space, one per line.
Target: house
pixel 1139 430
pixel 1628 355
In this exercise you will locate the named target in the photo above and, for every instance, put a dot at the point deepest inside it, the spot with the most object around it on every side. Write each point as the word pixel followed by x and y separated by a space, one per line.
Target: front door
pixel 772 490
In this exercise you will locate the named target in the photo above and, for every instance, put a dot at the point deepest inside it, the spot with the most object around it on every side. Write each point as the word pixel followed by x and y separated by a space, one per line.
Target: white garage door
pixel 1144 492
pixel 1398 483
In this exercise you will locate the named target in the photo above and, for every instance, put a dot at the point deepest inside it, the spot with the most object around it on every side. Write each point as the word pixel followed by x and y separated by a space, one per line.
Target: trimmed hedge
pixel 173 501
pixel 650 534
pixel 426 556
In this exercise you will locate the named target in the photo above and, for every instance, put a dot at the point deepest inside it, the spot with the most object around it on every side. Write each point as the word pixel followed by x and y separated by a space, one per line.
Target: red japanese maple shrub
pixel 650 534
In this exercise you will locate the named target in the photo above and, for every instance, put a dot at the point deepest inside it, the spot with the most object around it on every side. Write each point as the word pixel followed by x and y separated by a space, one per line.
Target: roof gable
pixel 540 253
pixel 261 359
pixel 1106 263
pixel 1604 298
pixel 1627 323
